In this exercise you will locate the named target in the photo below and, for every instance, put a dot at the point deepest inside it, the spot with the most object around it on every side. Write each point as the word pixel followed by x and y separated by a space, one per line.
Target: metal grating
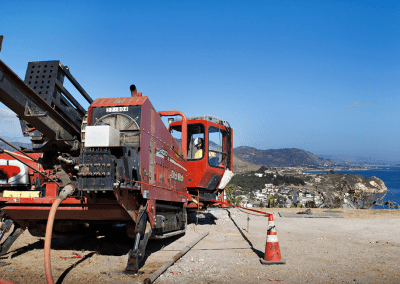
pixel 42 76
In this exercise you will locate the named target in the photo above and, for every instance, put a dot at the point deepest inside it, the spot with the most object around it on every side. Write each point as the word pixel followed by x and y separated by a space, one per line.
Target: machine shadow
pixel 256 251
pixel 65 273
pixel 205 218
pixel 115 243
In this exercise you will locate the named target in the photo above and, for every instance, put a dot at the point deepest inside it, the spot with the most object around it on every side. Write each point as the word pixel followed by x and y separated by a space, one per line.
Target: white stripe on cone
pixel 272 238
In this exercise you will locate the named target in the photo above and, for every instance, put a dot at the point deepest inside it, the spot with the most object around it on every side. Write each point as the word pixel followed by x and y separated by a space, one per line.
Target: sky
pixel 322 76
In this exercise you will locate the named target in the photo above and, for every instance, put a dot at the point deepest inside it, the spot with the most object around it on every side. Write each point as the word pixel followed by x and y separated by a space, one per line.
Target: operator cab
pixel 206 162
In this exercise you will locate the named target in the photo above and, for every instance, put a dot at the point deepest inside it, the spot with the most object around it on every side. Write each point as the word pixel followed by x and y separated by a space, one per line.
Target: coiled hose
pixel 64 193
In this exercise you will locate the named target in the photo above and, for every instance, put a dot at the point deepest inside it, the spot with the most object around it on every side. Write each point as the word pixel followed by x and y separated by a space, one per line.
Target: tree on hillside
pixel 229 195
pixel 250 181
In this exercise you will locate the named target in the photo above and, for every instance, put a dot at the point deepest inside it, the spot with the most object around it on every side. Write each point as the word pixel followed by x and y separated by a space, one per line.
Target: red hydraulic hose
pixel 67 191
pixel 47 241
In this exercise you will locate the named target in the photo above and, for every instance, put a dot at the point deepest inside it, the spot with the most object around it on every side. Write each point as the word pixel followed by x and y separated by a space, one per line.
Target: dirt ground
pixel 362 247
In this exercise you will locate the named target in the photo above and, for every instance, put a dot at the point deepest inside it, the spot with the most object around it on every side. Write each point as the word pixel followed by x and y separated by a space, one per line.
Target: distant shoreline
pixel 340 170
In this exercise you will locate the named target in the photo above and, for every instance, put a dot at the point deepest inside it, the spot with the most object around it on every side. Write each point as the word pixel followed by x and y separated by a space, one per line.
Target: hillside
pixel 280 157
pixel 241 166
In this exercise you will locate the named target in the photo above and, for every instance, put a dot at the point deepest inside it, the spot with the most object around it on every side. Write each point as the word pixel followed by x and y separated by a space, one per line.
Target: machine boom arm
pixel 29 106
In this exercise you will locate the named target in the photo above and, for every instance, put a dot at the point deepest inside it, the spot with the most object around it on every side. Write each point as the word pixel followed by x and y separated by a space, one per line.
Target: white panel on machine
pixel 101 136
pixel 13 172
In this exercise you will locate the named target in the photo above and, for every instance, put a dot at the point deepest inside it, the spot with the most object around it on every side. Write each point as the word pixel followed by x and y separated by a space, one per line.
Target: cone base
pixel 266 262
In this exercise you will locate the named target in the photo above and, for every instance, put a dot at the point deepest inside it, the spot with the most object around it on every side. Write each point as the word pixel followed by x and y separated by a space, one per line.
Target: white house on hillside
pixel 270 188
pixel 260 196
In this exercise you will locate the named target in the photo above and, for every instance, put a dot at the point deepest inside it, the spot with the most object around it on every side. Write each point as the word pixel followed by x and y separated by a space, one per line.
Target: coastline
pixel 388 174
pixel 374 187
pixel 339 169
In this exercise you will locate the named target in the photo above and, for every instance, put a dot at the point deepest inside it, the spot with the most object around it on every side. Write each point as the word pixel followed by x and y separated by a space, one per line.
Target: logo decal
pixel 162 153
pixel 176 176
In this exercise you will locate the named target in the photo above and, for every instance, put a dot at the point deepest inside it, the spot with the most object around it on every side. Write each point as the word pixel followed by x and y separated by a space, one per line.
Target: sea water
pixel 389 175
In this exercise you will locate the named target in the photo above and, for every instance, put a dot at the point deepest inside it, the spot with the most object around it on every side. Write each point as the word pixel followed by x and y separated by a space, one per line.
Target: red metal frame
pixel 184 126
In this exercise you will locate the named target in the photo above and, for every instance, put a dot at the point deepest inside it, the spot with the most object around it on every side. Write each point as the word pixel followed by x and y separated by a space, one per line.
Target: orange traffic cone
pixel 272 251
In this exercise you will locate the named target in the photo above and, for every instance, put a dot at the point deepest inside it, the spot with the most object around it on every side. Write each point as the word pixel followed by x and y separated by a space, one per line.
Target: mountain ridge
pixel 286 157
pixel 247 158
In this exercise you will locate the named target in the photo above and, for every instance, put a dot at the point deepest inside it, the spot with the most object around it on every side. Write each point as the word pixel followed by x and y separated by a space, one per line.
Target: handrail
pixel 184 126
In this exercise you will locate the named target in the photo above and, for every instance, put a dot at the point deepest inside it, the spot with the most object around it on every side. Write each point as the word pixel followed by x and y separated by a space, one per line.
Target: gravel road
pixel 362 247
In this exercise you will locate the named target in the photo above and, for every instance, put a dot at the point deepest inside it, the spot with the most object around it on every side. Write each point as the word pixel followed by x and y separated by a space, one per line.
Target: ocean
pixel 389 175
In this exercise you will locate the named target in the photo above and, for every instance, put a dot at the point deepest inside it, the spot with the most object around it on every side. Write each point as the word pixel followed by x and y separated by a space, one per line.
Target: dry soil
pixel 362 247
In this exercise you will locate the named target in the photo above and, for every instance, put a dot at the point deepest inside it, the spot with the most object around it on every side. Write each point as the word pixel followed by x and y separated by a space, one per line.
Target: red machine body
pixel 162 166
pixel 162 162
pixel 124 165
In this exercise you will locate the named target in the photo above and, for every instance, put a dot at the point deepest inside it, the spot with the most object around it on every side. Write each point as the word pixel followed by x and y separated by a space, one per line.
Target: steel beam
pixel 29 106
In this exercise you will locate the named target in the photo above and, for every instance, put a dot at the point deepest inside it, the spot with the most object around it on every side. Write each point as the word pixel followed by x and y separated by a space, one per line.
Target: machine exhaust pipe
pixel 133 91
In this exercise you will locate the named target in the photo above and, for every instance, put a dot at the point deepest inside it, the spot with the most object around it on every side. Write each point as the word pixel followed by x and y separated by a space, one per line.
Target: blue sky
pixel 322 76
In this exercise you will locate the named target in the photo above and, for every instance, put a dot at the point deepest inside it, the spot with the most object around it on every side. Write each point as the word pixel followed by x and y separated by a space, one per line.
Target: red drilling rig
pixel 115 164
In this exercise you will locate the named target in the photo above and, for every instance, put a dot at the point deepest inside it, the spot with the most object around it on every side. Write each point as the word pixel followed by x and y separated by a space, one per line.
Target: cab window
pixel 217 147
pixel 195 141
pixel 195 135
